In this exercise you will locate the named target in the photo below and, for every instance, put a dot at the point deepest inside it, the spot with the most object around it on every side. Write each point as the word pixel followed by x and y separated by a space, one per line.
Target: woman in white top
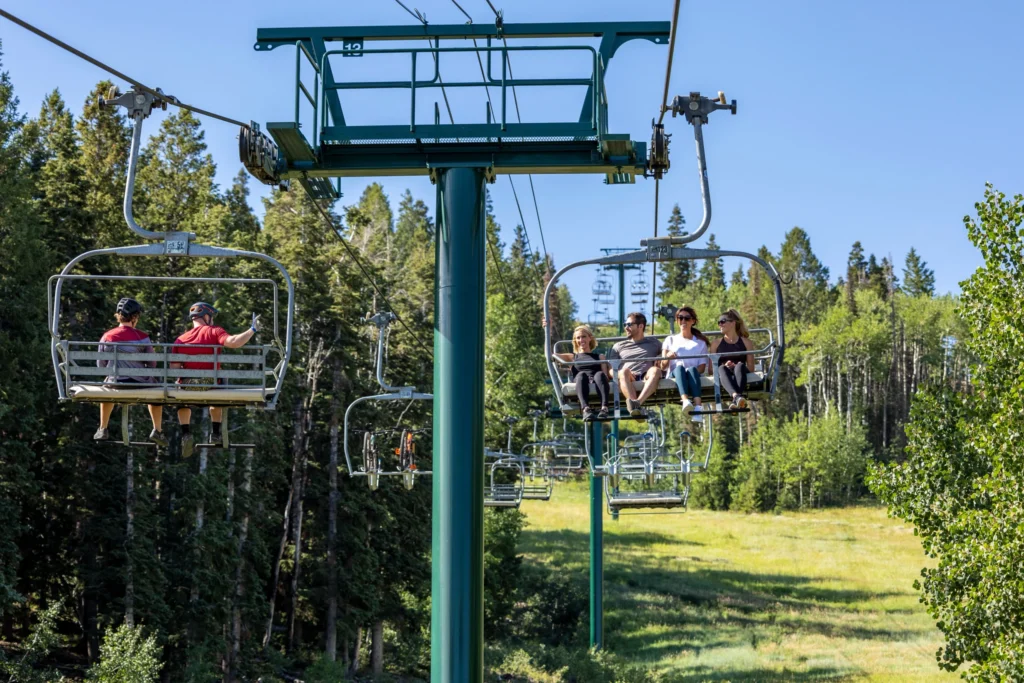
pixel 692 343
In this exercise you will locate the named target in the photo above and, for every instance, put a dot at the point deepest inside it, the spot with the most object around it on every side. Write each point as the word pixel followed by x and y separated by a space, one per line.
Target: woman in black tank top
pixel 588 371
pixel 732 369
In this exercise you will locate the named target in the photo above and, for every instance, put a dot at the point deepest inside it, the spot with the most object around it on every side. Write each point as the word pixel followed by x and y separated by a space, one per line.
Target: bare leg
pixel 626 384
pixel 106 409
pixel 184 416
pixel 215 414
pixel 156 413
pixel 651 379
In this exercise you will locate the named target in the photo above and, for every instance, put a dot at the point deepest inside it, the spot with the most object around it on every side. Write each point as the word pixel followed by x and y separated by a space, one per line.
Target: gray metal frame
pixel 659 250
pixel 381 321
pixel 644 457
pixel 174 244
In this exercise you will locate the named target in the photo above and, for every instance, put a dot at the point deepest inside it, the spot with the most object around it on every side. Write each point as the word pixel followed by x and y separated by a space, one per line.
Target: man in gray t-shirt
pixel 630 350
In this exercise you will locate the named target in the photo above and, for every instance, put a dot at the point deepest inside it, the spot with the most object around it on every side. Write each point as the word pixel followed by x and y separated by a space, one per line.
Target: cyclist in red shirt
pixel 199 342
pixel 126 338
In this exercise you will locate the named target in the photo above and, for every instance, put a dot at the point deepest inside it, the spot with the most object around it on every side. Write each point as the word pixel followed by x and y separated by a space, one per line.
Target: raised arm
pixel 242 338
pixel 239 340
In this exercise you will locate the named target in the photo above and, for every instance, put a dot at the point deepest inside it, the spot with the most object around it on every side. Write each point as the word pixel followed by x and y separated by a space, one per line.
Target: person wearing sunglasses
pixel 640 354
pixel 687 352
pixel 588 371
pixel 732 370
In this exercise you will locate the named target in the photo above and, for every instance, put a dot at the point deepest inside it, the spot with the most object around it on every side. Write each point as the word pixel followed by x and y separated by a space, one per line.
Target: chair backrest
pixel 244 368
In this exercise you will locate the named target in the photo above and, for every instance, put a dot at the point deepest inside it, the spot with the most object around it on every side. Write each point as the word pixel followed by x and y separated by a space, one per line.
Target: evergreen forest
pixel 272 562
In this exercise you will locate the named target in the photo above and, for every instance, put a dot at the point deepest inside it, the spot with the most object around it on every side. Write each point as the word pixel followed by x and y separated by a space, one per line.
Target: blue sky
pixel 874 120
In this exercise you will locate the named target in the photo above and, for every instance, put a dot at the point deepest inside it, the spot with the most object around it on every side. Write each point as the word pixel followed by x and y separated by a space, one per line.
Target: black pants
pixel 598 380
pixel 734 380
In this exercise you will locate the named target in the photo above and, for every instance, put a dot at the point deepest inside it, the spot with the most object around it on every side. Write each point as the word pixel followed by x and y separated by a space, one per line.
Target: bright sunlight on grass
pixel 720 596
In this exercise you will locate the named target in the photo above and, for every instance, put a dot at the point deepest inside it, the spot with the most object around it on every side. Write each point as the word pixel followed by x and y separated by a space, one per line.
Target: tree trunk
pixel 272 589
pixel 356 650
pixel 239 593
pixel 331 625
pixel 129 545
pixel 377 651
pixel 298 474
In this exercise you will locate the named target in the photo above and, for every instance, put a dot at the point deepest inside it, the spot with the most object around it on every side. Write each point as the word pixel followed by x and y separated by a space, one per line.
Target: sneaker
pixel 634 408
pixel 697 416
pixel 687 405
pixel 741 402
pixel 187 445
pixel 101 434
pixel 588 414
pixel 158 438
pixel 603 413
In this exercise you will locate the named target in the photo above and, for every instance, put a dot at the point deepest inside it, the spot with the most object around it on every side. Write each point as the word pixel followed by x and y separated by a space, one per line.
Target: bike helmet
pixel 201 309
pixel 128 307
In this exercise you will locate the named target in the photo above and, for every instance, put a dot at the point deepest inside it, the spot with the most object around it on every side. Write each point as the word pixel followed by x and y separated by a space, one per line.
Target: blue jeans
pixel 688 381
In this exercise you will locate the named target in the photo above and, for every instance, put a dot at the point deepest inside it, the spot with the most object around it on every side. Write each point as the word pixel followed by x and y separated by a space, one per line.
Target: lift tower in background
pixel 460 159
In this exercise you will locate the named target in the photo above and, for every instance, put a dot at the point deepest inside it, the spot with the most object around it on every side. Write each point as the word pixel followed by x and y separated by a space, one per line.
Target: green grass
pixel 719 596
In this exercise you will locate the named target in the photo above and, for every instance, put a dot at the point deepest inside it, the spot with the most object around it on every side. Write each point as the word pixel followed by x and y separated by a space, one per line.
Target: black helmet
pixel 129 307
pixel 201 309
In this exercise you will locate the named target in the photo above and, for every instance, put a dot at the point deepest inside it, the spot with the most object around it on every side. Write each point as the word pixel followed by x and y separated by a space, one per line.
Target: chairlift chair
pixel 504 494
pixel 643 473
pixel 373 466
pixel 251 376
pixel 768 352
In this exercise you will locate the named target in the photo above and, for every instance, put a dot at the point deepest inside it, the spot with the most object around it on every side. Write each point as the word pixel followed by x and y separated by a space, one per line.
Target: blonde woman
pixel 732 370
pixel 587 370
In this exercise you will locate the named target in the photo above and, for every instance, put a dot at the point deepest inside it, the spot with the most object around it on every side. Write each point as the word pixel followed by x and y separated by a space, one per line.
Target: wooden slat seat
pixel 653 499
pixel 127 393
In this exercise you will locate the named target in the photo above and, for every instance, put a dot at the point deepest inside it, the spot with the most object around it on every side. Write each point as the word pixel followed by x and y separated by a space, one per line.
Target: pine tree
pixel 676 275
pixel 856 274
pixel 738 277
pixel 807 297
pixel 21 325
pixel 712 272
pixel 918 279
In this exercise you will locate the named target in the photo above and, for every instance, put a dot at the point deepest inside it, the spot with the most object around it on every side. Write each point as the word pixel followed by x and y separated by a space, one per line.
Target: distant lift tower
pixel 460 159
pixel 621 269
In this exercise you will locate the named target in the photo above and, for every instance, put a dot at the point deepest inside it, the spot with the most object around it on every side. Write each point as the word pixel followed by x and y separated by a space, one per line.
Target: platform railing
pixel 502 128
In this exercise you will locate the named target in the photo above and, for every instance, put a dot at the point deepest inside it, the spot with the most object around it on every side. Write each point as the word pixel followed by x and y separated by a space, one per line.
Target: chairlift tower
pixel 620 269
pixel 459 159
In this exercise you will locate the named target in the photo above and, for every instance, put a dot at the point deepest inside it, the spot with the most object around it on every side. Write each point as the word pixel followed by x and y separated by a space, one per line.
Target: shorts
pixel 638 375
pixel 199 383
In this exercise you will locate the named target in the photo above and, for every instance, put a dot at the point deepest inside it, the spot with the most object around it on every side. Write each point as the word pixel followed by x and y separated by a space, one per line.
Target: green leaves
pixel 961 486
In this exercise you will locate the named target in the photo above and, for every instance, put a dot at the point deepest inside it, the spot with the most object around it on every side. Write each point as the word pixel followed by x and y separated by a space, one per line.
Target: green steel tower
pixel 460 159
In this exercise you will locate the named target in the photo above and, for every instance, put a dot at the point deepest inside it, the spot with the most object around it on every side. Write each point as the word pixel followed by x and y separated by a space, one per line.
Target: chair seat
pixel 648 500
pixel 172 395
pixel 668 392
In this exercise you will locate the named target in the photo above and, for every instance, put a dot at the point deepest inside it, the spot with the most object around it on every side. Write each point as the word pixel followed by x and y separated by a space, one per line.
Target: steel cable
pixel 170 99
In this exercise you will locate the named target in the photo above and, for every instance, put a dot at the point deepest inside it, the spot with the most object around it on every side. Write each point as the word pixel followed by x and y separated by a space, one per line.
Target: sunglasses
pixel 630 324
pixel 684 317
pixel 725 320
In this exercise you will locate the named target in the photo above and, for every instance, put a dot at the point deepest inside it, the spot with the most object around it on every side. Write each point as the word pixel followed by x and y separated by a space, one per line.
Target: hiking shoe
pixel 101 434
pixel 603 413
pixel 740 402
pixel 588 414
pixel 697 414
pixel 187 445
pixel 158 438
pixel 634 408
